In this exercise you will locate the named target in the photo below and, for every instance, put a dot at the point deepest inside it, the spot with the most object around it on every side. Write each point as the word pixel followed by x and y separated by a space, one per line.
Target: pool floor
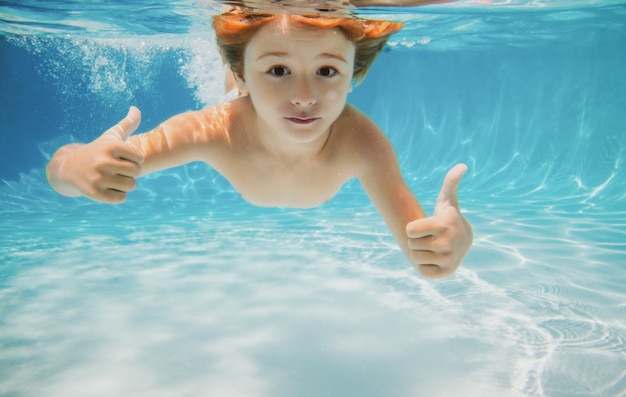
pixel 238 301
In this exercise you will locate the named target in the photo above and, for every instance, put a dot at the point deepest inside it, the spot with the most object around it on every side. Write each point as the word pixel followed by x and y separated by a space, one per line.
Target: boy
pixel 289 140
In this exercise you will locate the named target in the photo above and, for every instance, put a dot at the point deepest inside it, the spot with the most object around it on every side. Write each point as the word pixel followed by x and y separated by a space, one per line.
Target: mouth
pixel 302 119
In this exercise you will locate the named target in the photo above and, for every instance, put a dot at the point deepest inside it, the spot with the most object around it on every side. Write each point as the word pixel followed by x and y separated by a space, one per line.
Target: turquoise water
pixel 186 290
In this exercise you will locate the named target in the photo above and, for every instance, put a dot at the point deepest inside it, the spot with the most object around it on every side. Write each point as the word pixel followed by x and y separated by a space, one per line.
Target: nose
pixel 303 94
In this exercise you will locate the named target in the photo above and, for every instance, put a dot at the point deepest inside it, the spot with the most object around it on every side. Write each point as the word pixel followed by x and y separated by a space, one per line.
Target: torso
pixel 265 180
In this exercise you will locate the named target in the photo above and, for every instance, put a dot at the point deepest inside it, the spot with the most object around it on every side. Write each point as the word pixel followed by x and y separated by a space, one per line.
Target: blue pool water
pixel 186 290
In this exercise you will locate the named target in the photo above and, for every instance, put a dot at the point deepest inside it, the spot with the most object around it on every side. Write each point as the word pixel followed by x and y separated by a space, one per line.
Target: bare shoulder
pixel 364 140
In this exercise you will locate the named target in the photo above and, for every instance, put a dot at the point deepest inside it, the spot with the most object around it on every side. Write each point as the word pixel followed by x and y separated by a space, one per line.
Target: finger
pixel 109 196
pixel 121 183
pixel 129 152
pixel 126 168
pixel 127 125
pixel 426 243
pixel 433 271
pixel 422 258
pixel 425 227
pixel 450 187
pixel 428 264
pixel 112 196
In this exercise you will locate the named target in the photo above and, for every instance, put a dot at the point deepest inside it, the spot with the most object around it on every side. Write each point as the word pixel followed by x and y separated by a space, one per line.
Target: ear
pixel 353 83
pixel 241 83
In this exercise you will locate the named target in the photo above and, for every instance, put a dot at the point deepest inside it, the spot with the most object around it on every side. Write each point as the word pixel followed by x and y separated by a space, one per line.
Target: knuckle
pixel 116 130
pixel 417 257
pixel 132 184
pixel 445 250
pixel 135 170
pixel 93 193
pixel 102 166
pixel 99 181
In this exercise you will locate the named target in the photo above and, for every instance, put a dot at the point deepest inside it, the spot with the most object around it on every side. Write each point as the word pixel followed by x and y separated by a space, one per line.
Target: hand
pixel 103 170
pixel 439 243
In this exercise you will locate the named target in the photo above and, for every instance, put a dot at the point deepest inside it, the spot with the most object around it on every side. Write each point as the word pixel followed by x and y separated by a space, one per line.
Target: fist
pixel 105 169
pixel 439 243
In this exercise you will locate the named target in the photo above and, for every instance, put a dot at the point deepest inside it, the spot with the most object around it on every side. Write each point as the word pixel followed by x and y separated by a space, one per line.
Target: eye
pixel 278 71
pixel 327 71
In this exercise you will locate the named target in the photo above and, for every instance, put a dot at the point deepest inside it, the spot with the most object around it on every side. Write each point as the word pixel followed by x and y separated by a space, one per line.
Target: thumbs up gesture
pixel 103 170
pixel 439 243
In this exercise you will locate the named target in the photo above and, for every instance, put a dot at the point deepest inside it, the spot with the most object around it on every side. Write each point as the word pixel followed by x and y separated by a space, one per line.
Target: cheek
pixel 338 93
pixel 332 95
pixel 261 91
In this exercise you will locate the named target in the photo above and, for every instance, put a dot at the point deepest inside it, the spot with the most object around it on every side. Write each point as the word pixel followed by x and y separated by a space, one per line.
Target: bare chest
pixel 297 185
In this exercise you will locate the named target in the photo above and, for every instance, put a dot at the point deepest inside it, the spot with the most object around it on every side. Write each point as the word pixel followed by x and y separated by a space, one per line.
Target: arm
pixel 105 169
pixel 435 245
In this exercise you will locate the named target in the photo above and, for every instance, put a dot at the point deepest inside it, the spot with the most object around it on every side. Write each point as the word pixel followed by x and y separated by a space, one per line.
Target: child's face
pixel 298 78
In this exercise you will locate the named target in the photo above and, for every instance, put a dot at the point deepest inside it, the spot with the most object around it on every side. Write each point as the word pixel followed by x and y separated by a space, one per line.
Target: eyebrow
pixel 284 54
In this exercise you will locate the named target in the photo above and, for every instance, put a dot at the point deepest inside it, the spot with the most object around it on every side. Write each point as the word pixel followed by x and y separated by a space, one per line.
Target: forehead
pixel 283 34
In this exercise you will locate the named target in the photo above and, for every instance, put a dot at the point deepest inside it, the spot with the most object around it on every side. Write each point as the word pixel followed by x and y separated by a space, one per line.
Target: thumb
pixel 126 126
pixel 448 194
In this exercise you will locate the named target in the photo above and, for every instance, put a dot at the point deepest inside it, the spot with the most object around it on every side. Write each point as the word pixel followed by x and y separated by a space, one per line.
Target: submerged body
pixel 291 141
